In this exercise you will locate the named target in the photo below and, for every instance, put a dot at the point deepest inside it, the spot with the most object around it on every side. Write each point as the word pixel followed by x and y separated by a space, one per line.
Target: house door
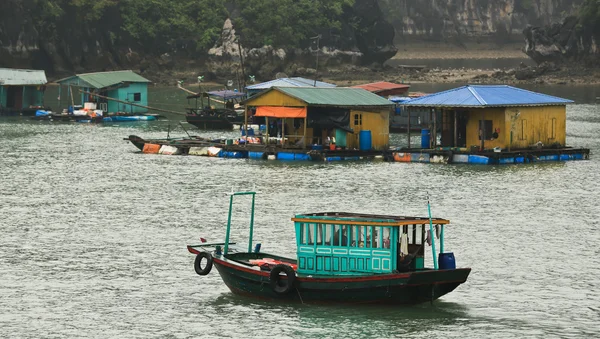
pixel 461 129
pixel 14 97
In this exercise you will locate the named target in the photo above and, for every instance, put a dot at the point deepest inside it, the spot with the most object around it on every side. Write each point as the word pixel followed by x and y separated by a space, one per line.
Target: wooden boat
pixel 192 141
pixel 341 258
pixel 209 117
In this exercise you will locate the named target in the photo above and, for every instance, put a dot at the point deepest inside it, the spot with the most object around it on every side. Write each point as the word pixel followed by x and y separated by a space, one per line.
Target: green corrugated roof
pixel 106 79
pixel 337 96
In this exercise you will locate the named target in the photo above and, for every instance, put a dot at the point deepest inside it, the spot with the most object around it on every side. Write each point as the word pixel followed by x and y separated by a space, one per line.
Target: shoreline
pixel 473 63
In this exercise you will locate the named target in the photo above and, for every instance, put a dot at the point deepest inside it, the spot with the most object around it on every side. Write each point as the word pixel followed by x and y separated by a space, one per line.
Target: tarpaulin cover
pixel 280 112
pixel 321 117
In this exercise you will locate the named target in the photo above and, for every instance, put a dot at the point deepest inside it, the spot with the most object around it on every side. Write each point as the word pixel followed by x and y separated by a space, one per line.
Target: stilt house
pixel 494 116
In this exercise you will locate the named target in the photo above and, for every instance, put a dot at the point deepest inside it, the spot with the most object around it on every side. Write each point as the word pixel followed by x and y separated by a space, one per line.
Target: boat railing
pixel 227 234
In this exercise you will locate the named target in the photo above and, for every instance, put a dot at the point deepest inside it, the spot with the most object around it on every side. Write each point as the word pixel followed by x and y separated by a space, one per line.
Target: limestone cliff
pixel 463 20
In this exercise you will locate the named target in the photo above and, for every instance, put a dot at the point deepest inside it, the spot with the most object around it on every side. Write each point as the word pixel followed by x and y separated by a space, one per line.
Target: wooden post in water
pixel 246 123
pixel 408 125
pixel 455 128
pixel 267 128
pixel 305 126
pixel 434 134
pixel 482 130
pixel 282 132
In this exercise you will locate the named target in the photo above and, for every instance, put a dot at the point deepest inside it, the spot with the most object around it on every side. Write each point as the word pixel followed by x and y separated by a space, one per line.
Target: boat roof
pixel 346 218
pixel 479 96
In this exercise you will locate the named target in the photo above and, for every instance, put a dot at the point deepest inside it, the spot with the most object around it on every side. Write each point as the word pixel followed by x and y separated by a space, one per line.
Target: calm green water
pixel 94 234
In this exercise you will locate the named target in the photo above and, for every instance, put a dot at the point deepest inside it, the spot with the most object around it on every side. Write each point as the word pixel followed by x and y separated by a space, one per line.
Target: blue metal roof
pixel 290 82
pixel 486 96
pixel 227 94
pixel 399 99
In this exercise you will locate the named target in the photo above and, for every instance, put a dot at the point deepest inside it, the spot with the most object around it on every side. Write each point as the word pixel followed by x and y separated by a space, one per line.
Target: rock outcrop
pixel 561 43
pixel 367 40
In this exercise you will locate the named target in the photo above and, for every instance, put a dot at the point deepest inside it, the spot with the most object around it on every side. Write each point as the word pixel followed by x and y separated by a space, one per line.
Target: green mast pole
pixel 228 225
pixel 431 234
pixel 251 224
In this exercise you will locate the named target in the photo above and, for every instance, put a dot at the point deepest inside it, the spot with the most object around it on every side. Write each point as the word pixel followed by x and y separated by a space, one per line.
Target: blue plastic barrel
pixel 446 261
pixel 285 156
pixel 425 138
pixel 364 140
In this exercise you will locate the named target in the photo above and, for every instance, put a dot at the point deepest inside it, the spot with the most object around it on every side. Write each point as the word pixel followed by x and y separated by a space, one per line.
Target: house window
pixel 553 129
pixel 137 96
pixel 485 129
pixel 357 119
pixel 523 132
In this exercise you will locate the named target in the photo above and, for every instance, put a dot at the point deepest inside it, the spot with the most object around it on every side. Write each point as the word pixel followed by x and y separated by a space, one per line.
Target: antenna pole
pixel 431 234
pixel 318 37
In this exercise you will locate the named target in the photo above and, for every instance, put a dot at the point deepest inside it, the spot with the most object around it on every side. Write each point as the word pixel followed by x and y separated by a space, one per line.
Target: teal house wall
pixel 136 93
pixel 21 89
pixel 123 86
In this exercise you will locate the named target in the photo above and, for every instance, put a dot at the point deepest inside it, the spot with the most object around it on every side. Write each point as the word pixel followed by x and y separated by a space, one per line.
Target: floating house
pixel 287 82
pixel 21 90
pixel 492 124
pixel 312 115
pixel 118 91
pixel 385 89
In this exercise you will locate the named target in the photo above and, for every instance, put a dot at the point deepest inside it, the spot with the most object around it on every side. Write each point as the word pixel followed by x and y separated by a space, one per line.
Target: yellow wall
pixel 535 124
pixel 498 121
pixel 377 122
pixel 275 98
pixel 532 125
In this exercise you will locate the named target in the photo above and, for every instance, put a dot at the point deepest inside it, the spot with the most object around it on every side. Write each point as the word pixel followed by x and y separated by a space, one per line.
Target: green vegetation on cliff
pixel 190 26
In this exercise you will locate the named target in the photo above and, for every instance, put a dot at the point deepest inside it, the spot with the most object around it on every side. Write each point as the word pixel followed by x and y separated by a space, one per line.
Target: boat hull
pixel 214 121
pixel 396 289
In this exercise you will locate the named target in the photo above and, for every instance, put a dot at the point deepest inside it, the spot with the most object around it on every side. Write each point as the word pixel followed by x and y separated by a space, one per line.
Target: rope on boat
pixel 299 296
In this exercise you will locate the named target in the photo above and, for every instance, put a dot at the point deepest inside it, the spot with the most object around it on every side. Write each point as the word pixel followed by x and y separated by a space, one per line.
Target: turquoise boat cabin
pixel 341 258
pixel 21 91
pixel 353 244
pixel 112 92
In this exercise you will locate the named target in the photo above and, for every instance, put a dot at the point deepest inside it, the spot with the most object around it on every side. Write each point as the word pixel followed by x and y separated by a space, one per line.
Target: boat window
pixel 338 236
pixel 306 234
pixel 415 233
pixel 319 234
pixel 373 237
pixel 386 235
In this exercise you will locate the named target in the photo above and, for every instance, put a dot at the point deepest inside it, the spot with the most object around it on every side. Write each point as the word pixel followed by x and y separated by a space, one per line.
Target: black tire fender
pixel 279 285
pixel 198 263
